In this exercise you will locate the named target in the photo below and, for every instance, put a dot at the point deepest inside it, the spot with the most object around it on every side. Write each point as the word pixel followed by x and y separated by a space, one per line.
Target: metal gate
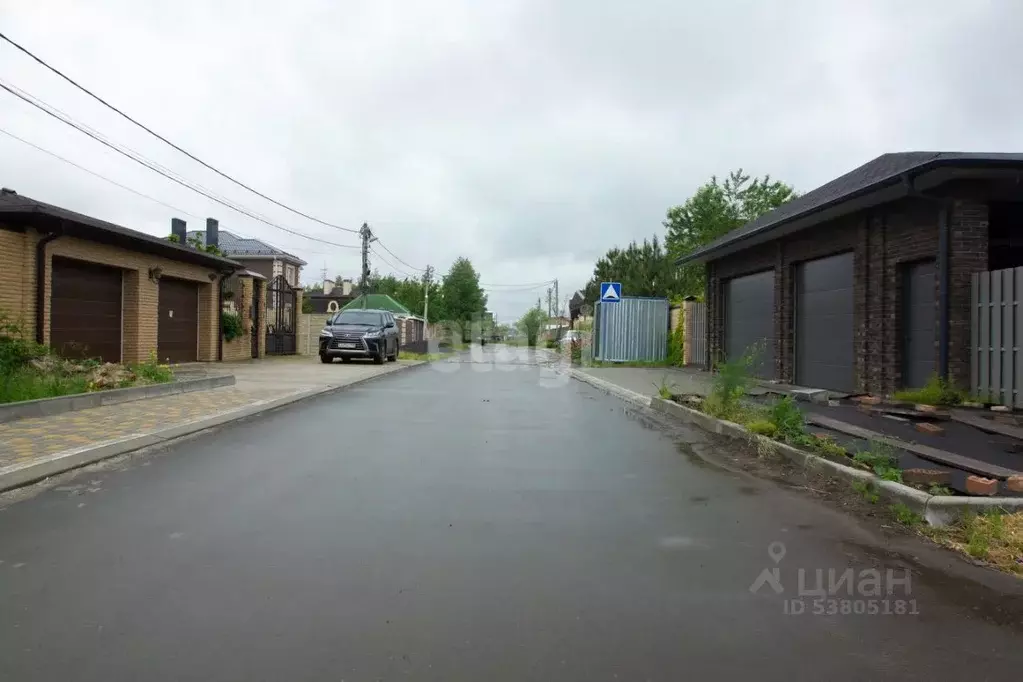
pixel 280 317
pixel 255 314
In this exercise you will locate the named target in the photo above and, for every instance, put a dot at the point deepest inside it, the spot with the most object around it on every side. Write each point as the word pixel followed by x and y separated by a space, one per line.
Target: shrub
pixel 151 371
pixel 828 447
pixel 231 325
pixel 675 342
pixel 880 459
pixel 788 418
pixel 577 352
pixel 15 349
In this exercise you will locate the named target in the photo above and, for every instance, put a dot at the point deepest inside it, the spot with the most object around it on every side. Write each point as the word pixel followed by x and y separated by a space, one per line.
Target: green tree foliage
pixel 461 298
pixel 531 323
pixel 643 269
pixel 410 292
pixel 715 209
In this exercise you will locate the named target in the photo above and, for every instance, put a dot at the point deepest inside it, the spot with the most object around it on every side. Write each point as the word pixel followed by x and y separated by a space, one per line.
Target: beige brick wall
pixel 17 290
pixel 308 337
pixel 241 348
pixel 140 294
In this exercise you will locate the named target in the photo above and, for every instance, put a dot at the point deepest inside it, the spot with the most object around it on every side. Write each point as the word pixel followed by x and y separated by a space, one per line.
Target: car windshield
pixel 359 317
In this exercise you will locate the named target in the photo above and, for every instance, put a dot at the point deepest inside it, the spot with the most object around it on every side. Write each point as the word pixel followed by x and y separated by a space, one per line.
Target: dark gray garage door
pixel 918 311
pixel 749 318
pixel 824 323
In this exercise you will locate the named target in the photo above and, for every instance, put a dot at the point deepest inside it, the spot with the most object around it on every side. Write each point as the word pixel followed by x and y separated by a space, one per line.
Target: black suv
pixel 360 333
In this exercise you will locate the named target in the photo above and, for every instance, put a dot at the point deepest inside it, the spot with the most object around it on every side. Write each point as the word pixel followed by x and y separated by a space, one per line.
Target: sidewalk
pixel 34 448
pixel 647 380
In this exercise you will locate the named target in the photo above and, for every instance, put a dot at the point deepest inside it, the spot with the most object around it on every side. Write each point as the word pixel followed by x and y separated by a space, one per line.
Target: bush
pixel 788 419
pixel 577 352
pixel 675 342
pixel 231 325
pixel 152 372
pixel 551 343
pixel 16 350
pixel 880 459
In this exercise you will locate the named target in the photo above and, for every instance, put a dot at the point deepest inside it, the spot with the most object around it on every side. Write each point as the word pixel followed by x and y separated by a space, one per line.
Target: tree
pixel 531 323
pixel 643 269
pixel 410 292
pixel 714 210
pixel 315 288
pixel 461 298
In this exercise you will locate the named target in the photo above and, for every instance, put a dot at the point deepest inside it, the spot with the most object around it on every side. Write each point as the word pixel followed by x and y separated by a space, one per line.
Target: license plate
pixel 347 345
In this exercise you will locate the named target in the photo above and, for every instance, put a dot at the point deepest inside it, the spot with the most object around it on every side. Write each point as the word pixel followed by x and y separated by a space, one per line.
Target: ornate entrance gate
pixel 280 317
pixel 256 315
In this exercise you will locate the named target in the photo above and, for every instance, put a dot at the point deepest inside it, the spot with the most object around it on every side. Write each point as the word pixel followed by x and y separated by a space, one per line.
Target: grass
pixel 937 392
pixel 28 383
pixel 630 363
pixel 422 357
pixel 880 459
pixel 904 515
pixel 867 489
pixel 664 388
pixel 993 536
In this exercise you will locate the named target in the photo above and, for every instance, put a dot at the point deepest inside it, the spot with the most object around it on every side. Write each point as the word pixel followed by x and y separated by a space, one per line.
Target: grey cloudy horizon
pixel 529 136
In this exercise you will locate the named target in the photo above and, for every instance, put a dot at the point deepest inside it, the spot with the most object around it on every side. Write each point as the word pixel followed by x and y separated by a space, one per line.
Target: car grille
pixel 347 336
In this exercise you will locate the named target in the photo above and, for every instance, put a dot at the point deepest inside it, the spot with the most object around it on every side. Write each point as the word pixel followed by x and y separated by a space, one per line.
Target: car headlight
pixel 373 335
pixel 325 332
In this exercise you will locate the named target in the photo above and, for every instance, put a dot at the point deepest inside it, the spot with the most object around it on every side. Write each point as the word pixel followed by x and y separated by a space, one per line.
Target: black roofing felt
pixel 885 169
pixel 17 204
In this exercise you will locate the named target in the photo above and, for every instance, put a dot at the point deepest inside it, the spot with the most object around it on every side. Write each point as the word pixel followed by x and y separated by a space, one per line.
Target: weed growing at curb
pixel 867 489
pixel 906 516
pixel 880 459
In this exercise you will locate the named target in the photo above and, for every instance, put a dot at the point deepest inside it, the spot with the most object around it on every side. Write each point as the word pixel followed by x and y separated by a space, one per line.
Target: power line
pixel 166 141
pixel 396 257
pixel 137 158
pixel 101 177
pixel 392 265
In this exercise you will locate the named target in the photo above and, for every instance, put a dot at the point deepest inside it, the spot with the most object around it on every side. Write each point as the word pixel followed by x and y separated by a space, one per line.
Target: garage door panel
pixel 918 319
pixel 825 355
pixel 85 310
pixel 749 319
pixel 178 326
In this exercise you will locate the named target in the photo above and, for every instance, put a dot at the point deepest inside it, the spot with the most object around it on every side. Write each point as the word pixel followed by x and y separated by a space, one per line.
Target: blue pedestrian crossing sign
pixel 610 292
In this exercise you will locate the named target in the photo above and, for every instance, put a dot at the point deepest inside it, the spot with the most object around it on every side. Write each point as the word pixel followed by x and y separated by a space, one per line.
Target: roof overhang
pixel 921 179
pixel 55 220
pixel 287 257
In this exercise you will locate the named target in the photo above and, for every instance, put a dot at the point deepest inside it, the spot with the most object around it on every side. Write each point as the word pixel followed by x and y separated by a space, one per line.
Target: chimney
pixel 328 286
pixel 7 190
pixel 346 287
pixel 179 229
pixel 212 232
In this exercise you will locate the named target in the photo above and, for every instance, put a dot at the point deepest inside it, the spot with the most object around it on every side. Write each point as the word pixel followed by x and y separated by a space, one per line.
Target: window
pixel 1005 241
pixel 359 317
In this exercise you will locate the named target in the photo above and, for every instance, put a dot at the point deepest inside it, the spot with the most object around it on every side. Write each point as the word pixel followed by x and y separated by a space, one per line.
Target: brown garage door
pixel 178 329
pixel 85 310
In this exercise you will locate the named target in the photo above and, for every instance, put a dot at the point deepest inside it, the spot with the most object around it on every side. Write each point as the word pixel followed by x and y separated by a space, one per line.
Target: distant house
pixel 258 256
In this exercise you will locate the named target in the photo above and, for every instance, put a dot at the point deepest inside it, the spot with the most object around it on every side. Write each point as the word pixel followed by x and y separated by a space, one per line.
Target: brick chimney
pixel 212 232
pixel 180 230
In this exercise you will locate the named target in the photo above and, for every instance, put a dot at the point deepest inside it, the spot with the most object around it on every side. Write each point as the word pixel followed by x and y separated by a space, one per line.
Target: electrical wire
pixel 381 244
pixel 392 265
pixel 134 156
pixel 168 142
pixel 101 177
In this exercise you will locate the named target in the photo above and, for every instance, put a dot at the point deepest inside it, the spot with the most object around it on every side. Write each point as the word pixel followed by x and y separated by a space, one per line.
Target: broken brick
pixel 1000 408
pixel 925 408
pixel 869 400
pixel 929 428
pixel 927 477
pixel 1014 484
pixel 978 485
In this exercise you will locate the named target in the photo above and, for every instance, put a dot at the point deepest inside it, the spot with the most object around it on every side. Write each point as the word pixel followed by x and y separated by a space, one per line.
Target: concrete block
pixel 1001 408
pixel 810 395
pixel 1014 484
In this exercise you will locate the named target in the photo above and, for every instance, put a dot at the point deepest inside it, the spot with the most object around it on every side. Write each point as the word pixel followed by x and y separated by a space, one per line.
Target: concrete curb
pixel 17 475
pixel 46 407
pixel 607 387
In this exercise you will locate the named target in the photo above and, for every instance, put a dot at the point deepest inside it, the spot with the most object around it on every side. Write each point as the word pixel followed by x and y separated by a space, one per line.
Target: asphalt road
pixel 469 521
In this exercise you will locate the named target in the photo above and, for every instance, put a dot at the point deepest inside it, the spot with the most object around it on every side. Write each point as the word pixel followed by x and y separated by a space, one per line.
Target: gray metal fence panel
pixel 632 329
pixel 996 329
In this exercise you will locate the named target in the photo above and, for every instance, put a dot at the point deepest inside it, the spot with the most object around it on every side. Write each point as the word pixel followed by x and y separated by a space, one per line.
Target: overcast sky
pixel 528 135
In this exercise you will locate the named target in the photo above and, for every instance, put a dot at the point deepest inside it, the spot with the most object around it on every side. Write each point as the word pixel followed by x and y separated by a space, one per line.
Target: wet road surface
pixel 482 520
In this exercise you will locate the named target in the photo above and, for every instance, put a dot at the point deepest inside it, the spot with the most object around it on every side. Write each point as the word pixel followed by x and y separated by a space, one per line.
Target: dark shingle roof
pixel 87 227
pixel 886 169
pixel 233 245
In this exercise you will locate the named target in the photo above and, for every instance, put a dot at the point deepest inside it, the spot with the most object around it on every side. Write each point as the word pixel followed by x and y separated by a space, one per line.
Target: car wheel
pixel 326 359
pixel 345 359
pixel 393 356
pixel 379 357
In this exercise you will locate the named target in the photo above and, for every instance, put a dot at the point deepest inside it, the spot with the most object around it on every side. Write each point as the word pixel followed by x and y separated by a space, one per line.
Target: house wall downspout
pixel 220 316
pixel 41 284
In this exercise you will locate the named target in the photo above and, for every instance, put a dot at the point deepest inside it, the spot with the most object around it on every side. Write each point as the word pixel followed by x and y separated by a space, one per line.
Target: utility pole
pixel 548 301
pixel 427 278
pixel 367 237
pixel 557 300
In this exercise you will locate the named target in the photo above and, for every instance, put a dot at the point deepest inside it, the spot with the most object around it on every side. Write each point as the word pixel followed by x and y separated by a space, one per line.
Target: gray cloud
pixel 528 135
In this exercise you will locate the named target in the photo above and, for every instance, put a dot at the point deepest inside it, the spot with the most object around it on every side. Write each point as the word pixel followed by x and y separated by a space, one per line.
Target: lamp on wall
pixel 212 276
pixel 155 273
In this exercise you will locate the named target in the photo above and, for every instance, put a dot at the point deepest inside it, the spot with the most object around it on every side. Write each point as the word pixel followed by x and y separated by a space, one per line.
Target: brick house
pixel 89 288
pixel 864 284
pixel 257 256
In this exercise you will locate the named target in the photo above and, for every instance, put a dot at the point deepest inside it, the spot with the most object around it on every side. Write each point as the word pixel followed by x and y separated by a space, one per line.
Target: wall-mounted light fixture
pixel 155 273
